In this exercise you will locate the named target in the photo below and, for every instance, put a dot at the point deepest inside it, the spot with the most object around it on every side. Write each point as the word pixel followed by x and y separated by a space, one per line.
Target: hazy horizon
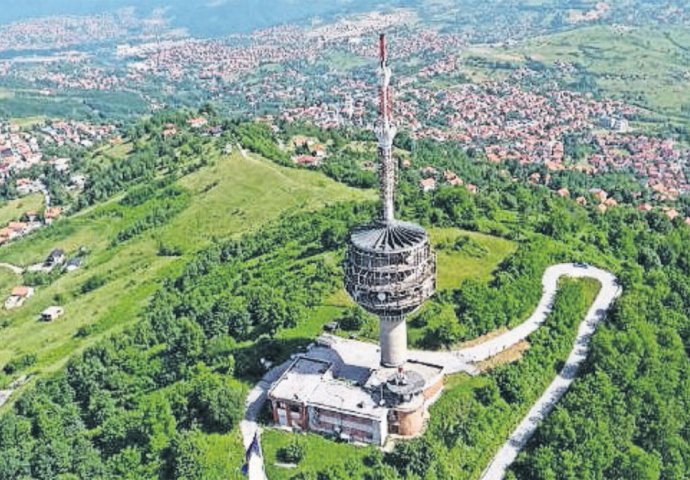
pixel 205 18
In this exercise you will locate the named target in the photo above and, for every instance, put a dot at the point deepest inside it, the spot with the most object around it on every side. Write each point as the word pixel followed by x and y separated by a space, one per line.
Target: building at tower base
pixel 337 388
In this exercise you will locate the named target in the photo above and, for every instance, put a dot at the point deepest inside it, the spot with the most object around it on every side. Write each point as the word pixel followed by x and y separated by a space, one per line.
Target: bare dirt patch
pixel 509 355
pixel 479 340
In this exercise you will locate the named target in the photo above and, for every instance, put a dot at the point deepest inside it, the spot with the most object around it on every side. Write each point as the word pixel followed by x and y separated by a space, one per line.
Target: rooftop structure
pixel 390 269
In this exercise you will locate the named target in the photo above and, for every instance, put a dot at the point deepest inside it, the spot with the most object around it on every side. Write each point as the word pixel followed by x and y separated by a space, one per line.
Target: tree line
pixel 143 403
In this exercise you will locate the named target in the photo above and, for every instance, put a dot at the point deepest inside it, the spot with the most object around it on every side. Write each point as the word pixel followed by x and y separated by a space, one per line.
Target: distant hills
pixel 203 18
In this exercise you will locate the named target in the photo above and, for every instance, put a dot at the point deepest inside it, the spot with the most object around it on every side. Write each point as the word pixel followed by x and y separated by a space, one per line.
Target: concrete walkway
pixel 463 360
pixel 249 426
pixel 15 269
pixel 610 290
pixel 4 396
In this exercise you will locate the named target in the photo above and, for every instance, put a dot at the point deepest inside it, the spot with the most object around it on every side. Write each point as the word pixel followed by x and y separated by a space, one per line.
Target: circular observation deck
pixel 390 269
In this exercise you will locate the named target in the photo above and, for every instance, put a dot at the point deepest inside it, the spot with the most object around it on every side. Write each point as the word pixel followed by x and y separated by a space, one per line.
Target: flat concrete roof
pixel 311 381
pixel 300 379
pixel 340 396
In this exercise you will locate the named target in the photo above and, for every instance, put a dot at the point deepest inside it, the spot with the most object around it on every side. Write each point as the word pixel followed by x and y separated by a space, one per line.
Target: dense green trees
pixel 346 166
pixel 627 417
pixel 413 458
pixel 442 328
pixel 127 405
pixel 187 456
pixel 215 401
pixel 258 138
pixel 141 404
pixel 154 162
pixel 164 206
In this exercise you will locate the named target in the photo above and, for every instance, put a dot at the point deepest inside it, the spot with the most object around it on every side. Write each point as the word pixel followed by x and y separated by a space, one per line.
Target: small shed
pixel 73 264
pixel 56 257
pixel 51 313
pixel 18 296
pixel 22 291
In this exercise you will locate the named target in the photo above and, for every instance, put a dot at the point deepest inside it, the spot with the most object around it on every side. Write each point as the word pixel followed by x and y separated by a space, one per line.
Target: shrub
pixel 92 284
pixel 291 453
pixel 353 319
pixel 411 458
pixel 19 363
pixel 84 331
pixel 138 195
pixel 166 250
pixel 40 279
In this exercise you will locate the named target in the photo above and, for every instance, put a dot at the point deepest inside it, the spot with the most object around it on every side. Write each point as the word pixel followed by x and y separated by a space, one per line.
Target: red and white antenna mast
pixel 385 132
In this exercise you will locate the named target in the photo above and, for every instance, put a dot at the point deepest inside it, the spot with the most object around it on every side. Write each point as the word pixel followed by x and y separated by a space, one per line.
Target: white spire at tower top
pixel 385 132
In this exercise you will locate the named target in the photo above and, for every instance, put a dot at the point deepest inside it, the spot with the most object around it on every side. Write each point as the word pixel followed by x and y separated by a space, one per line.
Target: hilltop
pixel 232 194
pixel 175 315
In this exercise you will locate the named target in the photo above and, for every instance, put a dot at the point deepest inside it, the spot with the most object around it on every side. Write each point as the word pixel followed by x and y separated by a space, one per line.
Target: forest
pixel 149 402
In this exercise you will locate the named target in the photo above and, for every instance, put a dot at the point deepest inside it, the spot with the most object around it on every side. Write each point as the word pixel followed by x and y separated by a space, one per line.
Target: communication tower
pixel 390 268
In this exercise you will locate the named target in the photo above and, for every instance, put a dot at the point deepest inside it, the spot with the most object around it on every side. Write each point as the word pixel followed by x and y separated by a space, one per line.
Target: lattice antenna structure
pixel 385 133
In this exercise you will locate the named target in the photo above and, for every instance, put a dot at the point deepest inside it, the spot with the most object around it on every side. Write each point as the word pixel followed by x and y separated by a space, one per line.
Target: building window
pixel 294 408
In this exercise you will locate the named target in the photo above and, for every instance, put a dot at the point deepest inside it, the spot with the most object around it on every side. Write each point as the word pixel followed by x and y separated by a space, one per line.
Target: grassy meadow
pixel 455 266
pixel 231 196
pixel 320 452
pixel 13 209
pixel 643 66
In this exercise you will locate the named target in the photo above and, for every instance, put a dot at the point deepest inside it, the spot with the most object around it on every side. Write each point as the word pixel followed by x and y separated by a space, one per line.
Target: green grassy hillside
pixel 477 258
pixel 641 65
pixel 232 196
pixel 14 209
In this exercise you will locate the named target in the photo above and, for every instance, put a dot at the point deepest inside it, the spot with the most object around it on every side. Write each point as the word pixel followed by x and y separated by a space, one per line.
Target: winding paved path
pixel 249 426
pixel 463 360
pixel 610 290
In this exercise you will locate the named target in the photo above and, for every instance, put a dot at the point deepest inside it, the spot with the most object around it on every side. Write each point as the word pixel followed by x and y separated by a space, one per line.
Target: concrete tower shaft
pixel 393 341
